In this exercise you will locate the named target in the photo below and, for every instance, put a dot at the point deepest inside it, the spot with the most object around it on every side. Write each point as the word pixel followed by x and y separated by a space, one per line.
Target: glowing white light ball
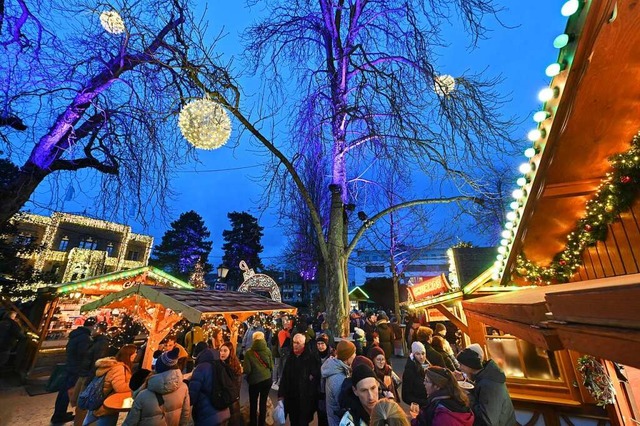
pixel 205 124
pixel 444 85
pixel 112 22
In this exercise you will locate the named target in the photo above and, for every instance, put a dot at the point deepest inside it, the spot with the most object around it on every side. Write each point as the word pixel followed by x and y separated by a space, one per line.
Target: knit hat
pixel 477 349
pixel 322 337
pixel 168 360
pixel 90 322
pixel 358 331
pixel 375 351
pixel 361 372
pixel 417 347
pixel 361 360
pixel 257 335
pixel 470 358
pixel 345 349
pixel 441 329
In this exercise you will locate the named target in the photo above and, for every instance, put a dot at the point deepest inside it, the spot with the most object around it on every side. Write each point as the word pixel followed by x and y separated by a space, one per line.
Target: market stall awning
pixel 116 281
pixel 357 294
pixel 193 304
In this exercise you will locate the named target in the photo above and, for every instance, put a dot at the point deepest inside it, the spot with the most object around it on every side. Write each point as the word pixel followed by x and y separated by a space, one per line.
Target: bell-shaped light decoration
pixel 444 84
pixel 205 124
pixel 112 22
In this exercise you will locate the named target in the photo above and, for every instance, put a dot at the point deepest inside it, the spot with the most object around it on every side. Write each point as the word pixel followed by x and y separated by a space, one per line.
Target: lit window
pixel 64 243
pixel 88 243
pixel 110 249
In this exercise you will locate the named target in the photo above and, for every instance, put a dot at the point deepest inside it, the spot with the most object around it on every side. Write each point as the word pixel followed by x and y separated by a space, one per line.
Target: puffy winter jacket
pixel 201 387
pixel 492 405
pixel 176 407
pixel 333 372
pixel 117 376
pixel 77 349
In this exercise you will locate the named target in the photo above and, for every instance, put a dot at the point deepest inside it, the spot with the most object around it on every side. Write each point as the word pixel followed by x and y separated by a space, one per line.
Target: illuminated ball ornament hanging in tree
pixel 205 124
pixel 112 22
pixel 444 85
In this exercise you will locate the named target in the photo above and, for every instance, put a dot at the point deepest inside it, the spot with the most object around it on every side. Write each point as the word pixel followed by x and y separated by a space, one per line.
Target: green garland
pixel 596 380
pixel 616 194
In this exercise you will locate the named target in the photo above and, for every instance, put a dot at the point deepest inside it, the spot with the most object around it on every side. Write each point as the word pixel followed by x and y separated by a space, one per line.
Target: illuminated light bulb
pixel 502 249
pixel 495 276
pixel 509 225
pixel 517 194
pixel 512 216
pixel 504 242
pixel 522 181
pixel 530 152
pixel 540 116
pixel 553 69
pixel 499 258
pixel 569 8
pixel 506 234
pixel 514 205
pixel 546 94
pixel 561 41
pixel 534 135
pixel 525 168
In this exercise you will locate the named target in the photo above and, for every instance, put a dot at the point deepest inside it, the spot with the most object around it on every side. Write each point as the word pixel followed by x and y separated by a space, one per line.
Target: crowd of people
pixel 197 376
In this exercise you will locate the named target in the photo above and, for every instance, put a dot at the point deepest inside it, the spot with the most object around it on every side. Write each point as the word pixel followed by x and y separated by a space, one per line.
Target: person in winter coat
pixel 201 388
pixel 232 369
pixel 369 327
pixel 359 340
pixel 76 351
pixel 492 405
pixel 448 403
pixel 164 401
pixel 117 373
pixel 10 334
pixel 324 352
pixel 347 398
pixel 425 335
pixel 439 344
pixel 385 334
pixel 334 371
pixel 258 366
pixel 299 383
pixel 384 374
pixel 413 390
pixel 365 388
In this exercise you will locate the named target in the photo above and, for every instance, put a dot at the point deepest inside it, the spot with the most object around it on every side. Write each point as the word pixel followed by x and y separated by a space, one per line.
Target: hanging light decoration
pixel 112 22
pixel 444 84
pixel 205 124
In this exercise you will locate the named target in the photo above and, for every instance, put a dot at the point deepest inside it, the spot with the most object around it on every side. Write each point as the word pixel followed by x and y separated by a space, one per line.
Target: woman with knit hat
pixel 258 366
pixel 447 404
pixel 386 377
pixel 413 391
pixel 334 371
pixel 164 399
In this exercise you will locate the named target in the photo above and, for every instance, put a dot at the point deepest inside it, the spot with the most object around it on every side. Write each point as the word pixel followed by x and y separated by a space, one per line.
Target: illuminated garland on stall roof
pixel 616 194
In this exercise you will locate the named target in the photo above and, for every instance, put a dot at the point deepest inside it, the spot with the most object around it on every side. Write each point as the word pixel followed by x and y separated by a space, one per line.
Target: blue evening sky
pixel 227 179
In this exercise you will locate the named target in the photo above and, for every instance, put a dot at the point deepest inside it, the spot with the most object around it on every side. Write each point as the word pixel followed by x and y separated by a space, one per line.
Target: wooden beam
pixel 9 304
pixel 451 317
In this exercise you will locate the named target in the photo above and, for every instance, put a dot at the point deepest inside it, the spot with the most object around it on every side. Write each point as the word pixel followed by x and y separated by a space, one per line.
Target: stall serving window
pixel 521 359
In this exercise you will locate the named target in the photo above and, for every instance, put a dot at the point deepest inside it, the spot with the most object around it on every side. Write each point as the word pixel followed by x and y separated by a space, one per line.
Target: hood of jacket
pixel 491 372
pixel 383 324
pixel 80 332
pixel 103 365
pixel 208 355
pixel 165 382
pixel 334 366
pixel 259 345
pixel 450 417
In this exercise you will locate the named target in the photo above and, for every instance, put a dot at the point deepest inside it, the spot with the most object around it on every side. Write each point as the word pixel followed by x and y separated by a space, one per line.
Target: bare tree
pixel 78 97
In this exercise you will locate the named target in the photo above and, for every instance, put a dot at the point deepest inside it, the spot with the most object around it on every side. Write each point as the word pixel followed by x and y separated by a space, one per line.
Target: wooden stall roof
pixel 357 294
pixel 142 273
pixel 194 304
pixel 594 117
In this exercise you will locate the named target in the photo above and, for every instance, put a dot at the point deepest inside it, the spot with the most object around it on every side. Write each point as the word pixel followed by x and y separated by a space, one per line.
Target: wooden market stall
pixel 575 235
pixel 160 308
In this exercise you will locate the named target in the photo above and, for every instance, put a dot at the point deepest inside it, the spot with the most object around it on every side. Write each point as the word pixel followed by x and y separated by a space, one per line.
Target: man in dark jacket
pixel 369 328
pixel 10 334
pixel 492 405
pixel 299 383
pixel 76 351
pixel 386 334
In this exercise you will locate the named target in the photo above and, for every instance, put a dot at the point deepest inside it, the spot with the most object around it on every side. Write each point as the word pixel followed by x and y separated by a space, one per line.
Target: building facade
pixel 73 247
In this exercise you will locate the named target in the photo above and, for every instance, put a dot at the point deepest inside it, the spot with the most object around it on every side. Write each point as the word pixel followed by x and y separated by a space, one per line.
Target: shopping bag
pixel 269 416
pixel 279 416
pixel 57 379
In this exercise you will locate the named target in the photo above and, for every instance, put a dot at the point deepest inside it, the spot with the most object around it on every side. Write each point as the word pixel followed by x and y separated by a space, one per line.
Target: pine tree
pixel 242 242
pixel 197 277
pixel 183 246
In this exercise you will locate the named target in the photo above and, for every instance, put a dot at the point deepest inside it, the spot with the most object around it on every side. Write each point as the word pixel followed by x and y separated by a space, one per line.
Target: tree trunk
pixel 337 298
pixel 16 193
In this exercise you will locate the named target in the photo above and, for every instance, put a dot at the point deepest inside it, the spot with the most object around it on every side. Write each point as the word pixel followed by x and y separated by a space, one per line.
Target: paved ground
pixel 19 409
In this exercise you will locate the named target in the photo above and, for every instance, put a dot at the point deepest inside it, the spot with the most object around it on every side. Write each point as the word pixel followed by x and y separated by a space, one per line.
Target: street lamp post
pixel 222 274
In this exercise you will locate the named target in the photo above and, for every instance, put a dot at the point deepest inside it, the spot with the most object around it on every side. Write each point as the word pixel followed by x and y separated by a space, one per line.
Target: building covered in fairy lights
pixel 73 247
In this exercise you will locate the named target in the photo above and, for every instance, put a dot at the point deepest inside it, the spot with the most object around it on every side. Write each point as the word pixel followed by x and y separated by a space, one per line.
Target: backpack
pixel 92 397
pixel 220 394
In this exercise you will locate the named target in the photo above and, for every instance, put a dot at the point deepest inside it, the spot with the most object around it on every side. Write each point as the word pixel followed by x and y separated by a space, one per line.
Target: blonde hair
pixel 388 412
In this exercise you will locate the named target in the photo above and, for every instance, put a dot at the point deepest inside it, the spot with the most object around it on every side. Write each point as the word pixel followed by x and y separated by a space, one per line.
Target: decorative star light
pixel 444 85
pixel 112 22
pixel 205 124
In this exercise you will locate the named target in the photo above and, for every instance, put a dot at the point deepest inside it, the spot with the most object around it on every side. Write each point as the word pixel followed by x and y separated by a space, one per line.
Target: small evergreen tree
pixel 242 242
pixel 183 245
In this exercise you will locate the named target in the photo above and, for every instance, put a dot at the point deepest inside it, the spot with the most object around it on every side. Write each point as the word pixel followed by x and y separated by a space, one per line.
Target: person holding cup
pixel 413 390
